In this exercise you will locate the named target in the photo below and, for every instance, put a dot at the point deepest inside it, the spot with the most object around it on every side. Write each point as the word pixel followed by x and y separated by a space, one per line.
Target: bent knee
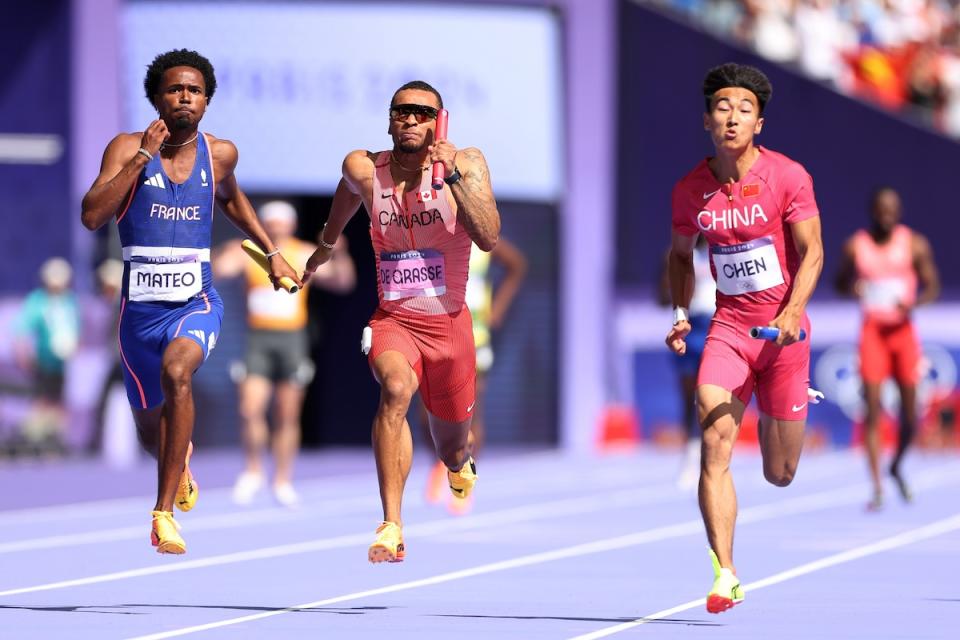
pixel 779 477
pixel 397 390
pixel 718 437
pixel 176 375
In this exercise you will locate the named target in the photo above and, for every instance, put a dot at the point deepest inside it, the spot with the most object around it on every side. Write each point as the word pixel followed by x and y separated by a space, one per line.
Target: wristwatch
pixel 680 315
pixel 453 177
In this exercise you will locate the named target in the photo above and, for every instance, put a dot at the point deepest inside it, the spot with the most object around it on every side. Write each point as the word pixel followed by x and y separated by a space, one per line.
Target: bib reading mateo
pixel 747 225
pixel 422 253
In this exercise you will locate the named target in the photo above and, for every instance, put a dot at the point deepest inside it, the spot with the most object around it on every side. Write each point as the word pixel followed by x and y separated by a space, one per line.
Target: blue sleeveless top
pixel 165 232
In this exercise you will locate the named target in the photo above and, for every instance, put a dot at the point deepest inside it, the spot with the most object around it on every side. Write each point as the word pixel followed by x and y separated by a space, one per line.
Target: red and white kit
pixel 754 261
pixel 423 256
pixel 889 345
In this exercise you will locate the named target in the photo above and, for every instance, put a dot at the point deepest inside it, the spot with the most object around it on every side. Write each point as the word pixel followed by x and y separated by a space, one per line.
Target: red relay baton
pixel 441 134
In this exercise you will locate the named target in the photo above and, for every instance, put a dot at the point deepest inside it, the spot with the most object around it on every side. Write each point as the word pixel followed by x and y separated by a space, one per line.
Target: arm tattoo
pixel 477 210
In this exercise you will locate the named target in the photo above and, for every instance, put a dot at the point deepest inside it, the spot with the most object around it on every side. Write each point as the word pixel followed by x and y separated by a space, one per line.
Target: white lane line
pixel 317 510
pixel 117 534
pixel 560 508
pixel 600 546
pixel 609 472
pixel 932 530
pixel 322 508
pixel 100 509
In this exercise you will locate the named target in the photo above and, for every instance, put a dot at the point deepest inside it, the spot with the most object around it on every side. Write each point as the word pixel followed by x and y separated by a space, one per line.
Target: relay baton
pixel 440 134
pixel 258 256
pixel 771 333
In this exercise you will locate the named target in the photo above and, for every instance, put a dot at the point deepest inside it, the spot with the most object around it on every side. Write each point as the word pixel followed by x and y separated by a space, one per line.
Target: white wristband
pixel 145 153
pixel 275 252
pixel 680 315
pixel 323 243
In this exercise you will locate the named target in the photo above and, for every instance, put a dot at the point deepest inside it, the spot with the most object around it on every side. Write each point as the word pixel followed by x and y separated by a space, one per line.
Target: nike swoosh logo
pixel 470 408
pixel 710 195
pixel 796 408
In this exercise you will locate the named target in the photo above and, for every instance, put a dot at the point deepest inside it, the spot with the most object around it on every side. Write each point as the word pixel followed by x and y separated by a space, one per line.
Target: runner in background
pixel 884 266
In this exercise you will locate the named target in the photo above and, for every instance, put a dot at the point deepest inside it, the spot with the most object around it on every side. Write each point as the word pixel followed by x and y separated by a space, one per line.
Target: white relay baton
pixel 366 340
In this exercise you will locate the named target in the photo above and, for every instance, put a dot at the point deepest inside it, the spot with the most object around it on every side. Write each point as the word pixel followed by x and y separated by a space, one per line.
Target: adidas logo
pixel 199 333
pixel 155 181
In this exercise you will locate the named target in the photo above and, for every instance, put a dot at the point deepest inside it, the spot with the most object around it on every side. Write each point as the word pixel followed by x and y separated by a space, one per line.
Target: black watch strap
pixel 453 177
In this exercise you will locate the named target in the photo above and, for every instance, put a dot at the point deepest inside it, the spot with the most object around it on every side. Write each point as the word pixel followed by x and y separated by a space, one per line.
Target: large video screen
pixel 302 84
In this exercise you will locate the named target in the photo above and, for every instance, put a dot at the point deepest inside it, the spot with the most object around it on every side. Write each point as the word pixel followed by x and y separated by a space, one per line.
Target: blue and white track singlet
pixel 165 230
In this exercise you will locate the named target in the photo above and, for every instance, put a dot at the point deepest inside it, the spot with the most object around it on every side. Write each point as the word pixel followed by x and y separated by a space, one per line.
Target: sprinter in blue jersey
pixel 160 185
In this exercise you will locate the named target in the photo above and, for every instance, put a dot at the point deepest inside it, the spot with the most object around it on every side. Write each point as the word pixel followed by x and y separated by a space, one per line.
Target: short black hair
pixel 419 85
pixel 732 74
pixel 178 58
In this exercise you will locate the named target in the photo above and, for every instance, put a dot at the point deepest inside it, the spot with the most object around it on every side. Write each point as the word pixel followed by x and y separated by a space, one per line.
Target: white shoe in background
pixel 286 495
pixel 247 486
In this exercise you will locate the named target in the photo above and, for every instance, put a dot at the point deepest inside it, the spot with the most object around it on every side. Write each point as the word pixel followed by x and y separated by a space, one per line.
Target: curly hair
pixel 737 75
pixel 419 85
pixel 178 58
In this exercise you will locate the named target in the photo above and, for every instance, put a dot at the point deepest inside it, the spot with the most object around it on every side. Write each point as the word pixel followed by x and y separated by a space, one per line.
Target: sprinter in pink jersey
pixel 422 335
pixel 883 267
pixel 758 213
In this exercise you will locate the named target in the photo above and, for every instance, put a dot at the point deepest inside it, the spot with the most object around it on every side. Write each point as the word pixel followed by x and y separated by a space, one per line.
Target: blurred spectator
pixel 773 35
pixel 47 335
pixel 109 282
pixel 277 363
pixel 901 54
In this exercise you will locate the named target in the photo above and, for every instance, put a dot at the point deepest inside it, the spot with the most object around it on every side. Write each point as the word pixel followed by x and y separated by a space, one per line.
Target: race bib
pixel 747 267
pixel 276 305
pixel 409 274
pixel 883 294
pixel 167 281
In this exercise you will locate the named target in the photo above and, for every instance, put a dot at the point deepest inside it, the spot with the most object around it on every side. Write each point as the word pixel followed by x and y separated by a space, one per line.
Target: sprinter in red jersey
pixel 758 213
pixel 884 266
pixel 422 335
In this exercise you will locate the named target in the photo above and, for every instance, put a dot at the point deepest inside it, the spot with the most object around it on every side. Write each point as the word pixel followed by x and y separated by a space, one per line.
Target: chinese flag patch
pixel 750 190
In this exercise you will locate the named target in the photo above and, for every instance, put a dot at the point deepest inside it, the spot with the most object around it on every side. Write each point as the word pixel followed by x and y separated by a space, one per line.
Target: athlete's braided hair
pixel 737 75
pixel 178 58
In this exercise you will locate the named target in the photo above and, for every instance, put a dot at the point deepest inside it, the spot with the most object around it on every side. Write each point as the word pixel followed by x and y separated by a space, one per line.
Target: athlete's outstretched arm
pixel 926 268
pixel 680 268
pixel 357 171
pixel 809 246
pixel 681 274
pixel 235 205
pixel 338 274
pixel 473 193
pixel 121 164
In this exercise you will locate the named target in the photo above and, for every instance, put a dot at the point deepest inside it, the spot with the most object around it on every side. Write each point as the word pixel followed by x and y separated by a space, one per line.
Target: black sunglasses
pixel 421 112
